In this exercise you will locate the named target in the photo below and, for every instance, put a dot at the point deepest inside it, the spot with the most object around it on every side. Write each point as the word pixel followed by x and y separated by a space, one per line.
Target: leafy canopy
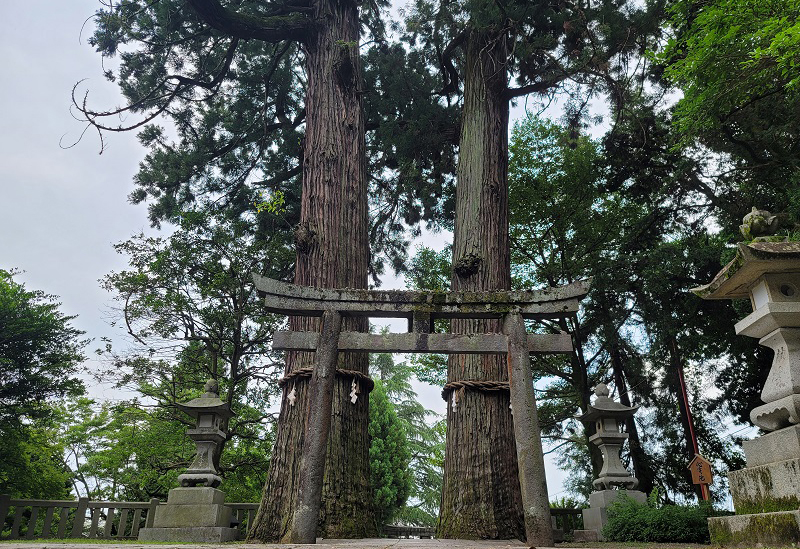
pixel 40 352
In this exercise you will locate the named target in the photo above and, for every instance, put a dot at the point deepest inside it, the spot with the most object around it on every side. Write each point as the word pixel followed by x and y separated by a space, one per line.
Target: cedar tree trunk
pixel 641 461
pixel 481 496
pixel 332 251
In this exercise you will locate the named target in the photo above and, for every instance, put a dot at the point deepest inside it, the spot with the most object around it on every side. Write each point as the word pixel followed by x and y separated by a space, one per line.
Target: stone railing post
pixel 5 503
pixel 151 512
pixel 80 517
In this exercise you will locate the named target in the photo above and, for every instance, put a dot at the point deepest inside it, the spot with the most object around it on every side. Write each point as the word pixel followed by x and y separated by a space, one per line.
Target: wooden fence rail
pixel 84 518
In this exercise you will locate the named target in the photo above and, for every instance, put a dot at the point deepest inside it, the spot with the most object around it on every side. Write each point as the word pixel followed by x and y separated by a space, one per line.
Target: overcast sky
pixel 62 209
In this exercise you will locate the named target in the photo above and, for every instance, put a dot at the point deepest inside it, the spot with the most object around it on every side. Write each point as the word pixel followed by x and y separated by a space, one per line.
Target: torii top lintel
pixel 291 299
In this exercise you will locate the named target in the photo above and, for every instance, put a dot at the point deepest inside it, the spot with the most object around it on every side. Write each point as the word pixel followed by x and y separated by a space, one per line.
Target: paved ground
pixel 321 544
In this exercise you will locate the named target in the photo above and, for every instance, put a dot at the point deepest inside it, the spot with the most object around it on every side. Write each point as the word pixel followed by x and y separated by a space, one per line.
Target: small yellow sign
pixel 701 470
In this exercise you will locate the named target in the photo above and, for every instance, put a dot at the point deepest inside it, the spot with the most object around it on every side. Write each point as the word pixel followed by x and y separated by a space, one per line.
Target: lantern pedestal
pixel 196 514
pixel 596 516
pixel 766 493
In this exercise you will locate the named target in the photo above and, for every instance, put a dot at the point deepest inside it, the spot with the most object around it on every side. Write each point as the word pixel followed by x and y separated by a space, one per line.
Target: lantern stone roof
pixel 209 402
pixel 605 407
pixel 752 261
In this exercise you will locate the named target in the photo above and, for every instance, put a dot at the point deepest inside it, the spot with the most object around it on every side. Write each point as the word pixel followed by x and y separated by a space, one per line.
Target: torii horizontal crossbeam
pixel 459 344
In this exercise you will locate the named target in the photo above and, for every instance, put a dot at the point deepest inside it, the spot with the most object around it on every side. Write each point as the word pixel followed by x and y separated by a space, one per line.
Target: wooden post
pixel 530 457
pixel 303 528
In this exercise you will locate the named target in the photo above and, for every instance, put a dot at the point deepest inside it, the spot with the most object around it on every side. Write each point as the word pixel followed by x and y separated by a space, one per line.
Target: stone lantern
pixel 766 493
pixel 209 412
pixel 196 511
pixel 608 417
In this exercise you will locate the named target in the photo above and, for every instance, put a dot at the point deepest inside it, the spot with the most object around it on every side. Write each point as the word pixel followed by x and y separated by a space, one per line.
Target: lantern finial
pixel 601 390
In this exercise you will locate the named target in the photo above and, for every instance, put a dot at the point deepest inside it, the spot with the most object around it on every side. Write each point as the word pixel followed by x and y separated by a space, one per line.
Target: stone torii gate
pixel 421 308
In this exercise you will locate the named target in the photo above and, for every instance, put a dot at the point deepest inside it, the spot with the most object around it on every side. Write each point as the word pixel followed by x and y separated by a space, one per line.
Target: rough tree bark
pixel 332 251
pixel 481 493
pixel 641 461
pixel 580 382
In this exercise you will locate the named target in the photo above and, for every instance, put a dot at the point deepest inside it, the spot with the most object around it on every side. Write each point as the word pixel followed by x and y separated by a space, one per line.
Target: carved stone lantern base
pixel 766 493
pixel 195 514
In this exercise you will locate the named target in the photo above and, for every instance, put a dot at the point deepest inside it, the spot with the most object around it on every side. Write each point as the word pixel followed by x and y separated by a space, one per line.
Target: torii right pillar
pixel 766 493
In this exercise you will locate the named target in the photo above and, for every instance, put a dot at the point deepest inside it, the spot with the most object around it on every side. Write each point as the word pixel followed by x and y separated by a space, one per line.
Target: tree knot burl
pixel 467 265
pixel 304 237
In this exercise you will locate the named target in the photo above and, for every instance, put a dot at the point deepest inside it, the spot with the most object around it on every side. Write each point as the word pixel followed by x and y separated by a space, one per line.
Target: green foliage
pixel 189 298
pixel 430 270
pixel 736 64
pixel 39 353
pixel 123 450
pixel 274 204
pixel 631 521
pixel 32 462
pixel 567 503
pixel 129 451
pixel 389 457
pixel 189 302
pixel 643 245
pixel 237 111
pixel 425 435
pixel 412 149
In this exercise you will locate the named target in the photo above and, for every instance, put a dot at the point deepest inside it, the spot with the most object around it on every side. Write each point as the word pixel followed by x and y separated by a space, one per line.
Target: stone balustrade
pixel 85 518
pixel 56 519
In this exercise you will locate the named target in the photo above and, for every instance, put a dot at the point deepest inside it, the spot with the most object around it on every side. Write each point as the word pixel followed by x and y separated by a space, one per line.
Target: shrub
pixel 648 522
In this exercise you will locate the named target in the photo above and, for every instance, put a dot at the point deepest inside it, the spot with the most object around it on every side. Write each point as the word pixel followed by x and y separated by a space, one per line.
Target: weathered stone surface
pixel 777 446
pixel 776 415
pixel 595 518
pixel 604 498
pixel 321 544
pixel 195 496
pixel 179 516
pixel 423 343
pixel 784 376
pixel 766 494
pixel 781 529
pixel 530 458
pixel 768 318
pixel 204 534
pixel 585 535
pixel 305 519
pixel 752 261
pixel 608 417
pixel 766 488
pixel 291 299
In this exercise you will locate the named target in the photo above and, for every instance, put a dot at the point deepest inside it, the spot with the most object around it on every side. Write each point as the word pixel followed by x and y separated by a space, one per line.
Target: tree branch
pixel 268 29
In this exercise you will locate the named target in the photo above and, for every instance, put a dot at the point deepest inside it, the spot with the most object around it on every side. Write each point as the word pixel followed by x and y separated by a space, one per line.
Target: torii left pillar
pixel 303 528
